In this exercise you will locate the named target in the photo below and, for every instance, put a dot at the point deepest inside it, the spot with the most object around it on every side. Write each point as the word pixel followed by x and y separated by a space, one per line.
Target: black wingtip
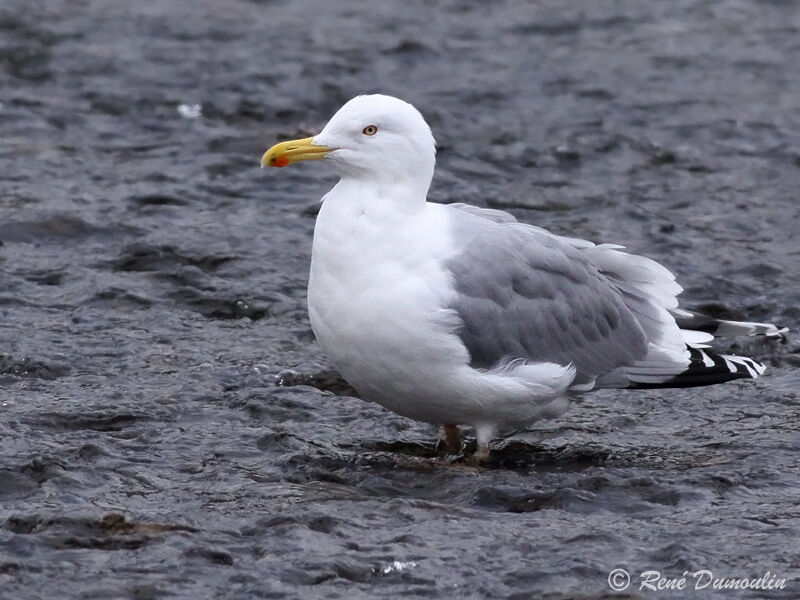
pixel 708 368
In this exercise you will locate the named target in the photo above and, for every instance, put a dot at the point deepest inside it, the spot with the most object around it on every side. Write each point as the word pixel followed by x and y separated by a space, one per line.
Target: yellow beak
pixel 293 151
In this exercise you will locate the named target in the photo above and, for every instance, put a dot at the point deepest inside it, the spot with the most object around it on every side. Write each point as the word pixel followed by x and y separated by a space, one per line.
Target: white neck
pixel 370 196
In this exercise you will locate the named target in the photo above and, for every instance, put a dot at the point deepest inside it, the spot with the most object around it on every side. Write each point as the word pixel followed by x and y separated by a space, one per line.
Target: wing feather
pixel 522 293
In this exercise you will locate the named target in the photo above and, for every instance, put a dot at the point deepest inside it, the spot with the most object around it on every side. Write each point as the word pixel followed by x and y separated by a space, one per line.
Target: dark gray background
pixel 152 284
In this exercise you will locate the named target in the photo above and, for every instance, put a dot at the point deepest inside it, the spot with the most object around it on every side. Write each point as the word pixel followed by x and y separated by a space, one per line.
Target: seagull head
pixel 373 138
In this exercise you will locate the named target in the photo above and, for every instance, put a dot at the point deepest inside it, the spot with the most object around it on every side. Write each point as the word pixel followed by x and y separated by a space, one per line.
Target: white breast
pixel 377 294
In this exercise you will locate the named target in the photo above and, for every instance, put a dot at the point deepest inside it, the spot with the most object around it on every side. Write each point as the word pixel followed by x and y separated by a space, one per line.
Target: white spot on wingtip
pixel 190 111
pixel 707 360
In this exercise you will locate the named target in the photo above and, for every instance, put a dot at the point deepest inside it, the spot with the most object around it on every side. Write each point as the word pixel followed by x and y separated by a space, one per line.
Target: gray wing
pixel 498 216
pixel 522 293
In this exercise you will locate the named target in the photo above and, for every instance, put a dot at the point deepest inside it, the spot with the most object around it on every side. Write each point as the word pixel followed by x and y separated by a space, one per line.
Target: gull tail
pixel 706 367
pixel 697 364
pixel 725 329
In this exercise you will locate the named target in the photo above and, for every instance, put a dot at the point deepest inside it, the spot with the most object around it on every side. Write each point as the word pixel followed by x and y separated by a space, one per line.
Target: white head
pixel 376 139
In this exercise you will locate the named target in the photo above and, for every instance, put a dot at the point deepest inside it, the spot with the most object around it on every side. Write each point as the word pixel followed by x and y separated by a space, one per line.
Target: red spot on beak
pixel 280 161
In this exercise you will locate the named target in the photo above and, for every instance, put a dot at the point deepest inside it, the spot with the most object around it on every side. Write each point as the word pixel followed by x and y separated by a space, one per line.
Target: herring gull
pixel 458 315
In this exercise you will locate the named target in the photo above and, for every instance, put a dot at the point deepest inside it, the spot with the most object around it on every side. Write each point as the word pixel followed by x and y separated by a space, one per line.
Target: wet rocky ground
pixel 152 288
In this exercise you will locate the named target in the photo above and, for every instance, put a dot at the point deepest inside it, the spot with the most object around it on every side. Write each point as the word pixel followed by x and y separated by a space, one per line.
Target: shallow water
pixel 152 286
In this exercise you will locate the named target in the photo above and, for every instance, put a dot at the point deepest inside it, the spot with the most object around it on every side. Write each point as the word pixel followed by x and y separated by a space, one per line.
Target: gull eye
pixel 369 130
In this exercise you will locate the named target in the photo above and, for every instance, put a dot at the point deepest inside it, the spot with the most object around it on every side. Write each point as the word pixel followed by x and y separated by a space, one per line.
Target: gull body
pixel 456 315
pixel 377 298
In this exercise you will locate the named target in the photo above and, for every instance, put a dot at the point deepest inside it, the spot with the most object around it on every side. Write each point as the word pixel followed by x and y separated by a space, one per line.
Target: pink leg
pixel 450 436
